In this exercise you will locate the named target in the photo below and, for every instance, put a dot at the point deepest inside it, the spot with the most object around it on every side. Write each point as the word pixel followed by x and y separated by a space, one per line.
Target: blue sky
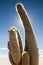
pixel 9 17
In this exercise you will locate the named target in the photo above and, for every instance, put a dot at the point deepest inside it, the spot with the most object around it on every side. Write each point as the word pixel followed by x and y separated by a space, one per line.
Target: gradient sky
pixel 9 17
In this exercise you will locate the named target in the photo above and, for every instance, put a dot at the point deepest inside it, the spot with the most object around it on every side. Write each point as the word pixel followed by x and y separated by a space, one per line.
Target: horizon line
pixel 4 49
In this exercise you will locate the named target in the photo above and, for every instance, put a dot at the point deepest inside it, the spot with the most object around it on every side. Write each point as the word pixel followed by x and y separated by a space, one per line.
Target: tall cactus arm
pixel 30 41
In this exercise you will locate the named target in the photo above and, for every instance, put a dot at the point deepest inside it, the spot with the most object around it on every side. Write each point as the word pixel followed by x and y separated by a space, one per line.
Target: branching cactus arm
pixel 14 45
pixel 25 58
pixel 31 44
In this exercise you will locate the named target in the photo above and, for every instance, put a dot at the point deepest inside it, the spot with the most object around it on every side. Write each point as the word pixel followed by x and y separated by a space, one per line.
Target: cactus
pixel 14 45
pixel 25 58
pixel 18 56
pixel 30 41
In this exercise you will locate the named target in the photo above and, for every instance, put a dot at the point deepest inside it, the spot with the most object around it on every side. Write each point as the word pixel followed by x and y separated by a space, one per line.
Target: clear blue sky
pixel 9 17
